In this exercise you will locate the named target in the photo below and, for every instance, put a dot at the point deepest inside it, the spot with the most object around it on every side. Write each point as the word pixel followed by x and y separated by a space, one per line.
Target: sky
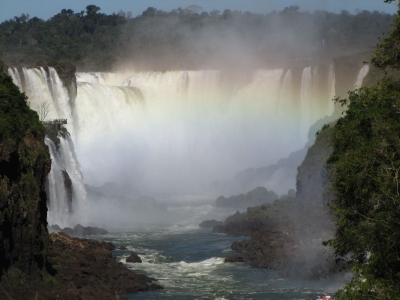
pixel 45 9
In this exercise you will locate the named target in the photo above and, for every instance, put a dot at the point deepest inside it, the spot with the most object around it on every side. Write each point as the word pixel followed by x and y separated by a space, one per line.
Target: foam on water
pixel 190 265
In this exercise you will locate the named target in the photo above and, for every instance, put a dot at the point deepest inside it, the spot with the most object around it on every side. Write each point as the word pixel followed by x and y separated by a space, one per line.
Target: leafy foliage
pixel 387 54
pixel 366 169
pixel 17 120
pixel 365 166
pixel 185 38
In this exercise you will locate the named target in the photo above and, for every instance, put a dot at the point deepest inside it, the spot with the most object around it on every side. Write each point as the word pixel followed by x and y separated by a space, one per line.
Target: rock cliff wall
pixel 312 174
pixel 24 165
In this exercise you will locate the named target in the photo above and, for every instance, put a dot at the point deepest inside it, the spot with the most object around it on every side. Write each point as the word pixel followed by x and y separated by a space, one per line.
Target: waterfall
pixel 177 131
pixel 67 202
pixel 306 97
pixel 332 90
pixel 361 75
pixel 168 131
pixel 44 87
pixel 67 207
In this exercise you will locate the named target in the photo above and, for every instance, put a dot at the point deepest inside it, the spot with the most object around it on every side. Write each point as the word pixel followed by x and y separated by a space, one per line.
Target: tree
pixel 365 166
pixel 92 10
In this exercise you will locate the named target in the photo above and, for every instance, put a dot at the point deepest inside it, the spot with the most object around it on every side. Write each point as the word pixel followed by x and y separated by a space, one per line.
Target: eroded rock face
pixel 294 252
pixel 292 243
pixel 24 165
pixel 312 175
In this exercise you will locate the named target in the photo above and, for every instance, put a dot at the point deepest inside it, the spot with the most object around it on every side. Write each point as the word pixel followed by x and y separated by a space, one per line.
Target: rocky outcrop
pixel 79 230
pixel 24 165
pixel 287 235
pixel 258 196
pixel 83 269
pixel 133 258
pixel 68 188
pixel 281 176
pixel 312 175
pixel 283 246
pixel 210 223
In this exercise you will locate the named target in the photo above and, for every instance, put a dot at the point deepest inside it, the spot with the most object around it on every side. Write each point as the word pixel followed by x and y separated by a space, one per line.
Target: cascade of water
pixel 60 96
pixel 332 90
pixel 67 203
pixel 171 129
pixel 361 75
pixel 15 76
pixel 306 97
pixel 43 87
pixel 168 131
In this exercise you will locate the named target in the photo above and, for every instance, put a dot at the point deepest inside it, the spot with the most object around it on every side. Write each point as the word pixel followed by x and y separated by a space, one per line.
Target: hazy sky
pixel 45 9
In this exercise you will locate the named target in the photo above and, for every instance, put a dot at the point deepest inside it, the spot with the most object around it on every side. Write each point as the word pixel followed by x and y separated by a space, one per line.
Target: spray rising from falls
pixel 171 132
pixel 176 132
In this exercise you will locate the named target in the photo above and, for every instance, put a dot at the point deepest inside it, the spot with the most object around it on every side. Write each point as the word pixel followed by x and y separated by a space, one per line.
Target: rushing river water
pixel 189 263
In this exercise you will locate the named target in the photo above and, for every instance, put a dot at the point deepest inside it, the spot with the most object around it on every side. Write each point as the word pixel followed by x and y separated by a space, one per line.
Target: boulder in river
pixel 133 258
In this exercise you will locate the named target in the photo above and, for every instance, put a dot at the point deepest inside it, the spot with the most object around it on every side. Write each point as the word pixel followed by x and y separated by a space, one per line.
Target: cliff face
pixel 287 235
pixel 24 165
pixel 34 265
pixel 312 174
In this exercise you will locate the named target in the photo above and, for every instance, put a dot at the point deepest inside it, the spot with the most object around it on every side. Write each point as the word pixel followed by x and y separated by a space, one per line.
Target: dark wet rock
pixel 80 269
pixel 122 248
pixel 86 268
pixel 292 248
pixel 312 175
pixel 234 259
pixel 287 235
pixel 155 286
pixel 24 165
pixel 210 223
pixel 276 246
pixel 68 189
pixel 133 258
pixel 78 230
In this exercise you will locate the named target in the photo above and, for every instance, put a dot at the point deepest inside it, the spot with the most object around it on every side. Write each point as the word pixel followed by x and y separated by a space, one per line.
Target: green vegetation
pixel 24 165
pixel 186 38
pixel 17 120
pixel 365 167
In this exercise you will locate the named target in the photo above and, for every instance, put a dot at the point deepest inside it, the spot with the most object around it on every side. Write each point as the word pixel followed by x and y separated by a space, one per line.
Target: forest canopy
pixel 186 38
